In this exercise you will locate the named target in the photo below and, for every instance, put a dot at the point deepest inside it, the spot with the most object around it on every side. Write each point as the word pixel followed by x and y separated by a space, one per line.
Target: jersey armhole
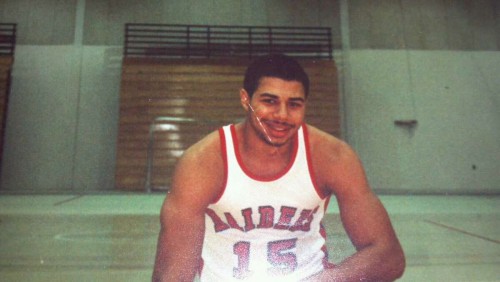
pixel 310 167
pixel 223 151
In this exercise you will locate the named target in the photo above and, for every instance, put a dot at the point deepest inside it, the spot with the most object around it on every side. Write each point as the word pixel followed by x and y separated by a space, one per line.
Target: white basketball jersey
pixel 265 229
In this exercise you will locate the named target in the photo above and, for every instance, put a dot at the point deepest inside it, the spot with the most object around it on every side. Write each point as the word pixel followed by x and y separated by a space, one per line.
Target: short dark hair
pixel 274 65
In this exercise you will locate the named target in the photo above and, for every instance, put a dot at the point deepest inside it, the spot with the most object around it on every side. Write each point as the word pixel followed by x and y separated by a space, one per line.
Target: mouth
pixel 278 129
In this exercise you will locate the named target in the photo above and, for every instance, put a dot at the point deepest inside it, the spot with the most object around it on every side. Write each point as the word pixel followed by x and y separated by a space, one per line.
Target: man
pixel 246 202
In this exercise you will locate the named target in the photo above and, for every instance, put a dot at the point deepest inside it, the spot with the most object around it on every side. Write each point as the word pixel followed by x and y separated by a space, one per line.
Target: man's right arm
pixel 179 243
pixel 196 182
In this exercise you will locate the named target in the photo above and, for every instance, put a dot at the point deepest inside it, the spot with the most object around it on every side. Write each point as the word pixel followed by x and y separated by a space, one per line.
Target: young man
pixel 246 202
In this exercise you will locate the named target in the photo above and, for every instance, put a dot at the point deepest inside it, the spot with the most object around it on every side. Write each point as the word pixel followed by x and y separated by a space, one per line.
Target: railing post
pixel 330 51
pixel 125 48
pixel 209 46
pixel 270 36
pixel 250 44
pixel 188 37
pixel 12 47
pixel 149 160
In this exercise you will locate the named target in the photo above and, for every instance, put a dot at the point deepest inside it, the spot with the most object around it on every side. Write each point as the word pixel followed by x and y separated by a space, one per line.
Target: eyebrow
pixel 269 95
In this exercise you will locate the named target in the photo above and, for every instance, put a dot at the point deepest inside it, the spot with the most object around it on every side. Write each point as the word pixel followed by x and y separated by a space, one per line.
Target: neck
pixel 260 146
pixel 259 156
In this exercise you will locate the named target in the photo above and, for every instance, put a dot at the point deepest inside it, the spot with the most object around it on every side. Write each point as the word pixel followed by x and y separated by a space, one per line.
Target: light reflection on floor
pixel 113 237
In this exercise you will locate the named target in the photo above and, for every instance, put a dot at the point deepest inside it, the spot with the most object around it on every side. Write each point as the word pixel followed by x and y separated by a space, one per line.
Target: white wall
pixel 41 118
pixel 98 118
pixel 454 96
pixel 62 119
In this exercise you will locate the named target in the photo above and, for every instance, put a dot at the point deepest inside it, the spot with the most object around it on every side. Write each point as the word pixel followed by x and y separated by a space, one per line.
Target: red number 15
pixel 279 255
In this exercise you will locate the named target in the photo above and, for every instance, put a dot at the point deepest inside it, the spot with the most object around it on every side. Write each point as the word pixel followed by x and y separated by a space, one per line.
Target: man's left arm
pixel 379 255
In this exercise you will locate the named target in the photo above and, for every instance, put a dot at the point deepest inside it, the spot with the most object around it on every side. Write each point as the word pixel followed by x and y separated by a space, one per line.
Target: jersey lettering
pixel 232 222
pixel 247 215
pixel 287 213
pixel 304 221
pixel 266 219
pixel 219 225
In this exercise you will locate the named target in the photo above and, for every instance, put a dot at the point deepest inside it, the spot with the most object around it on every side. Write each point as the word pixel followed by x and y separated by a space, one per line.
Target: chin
pixel 277 141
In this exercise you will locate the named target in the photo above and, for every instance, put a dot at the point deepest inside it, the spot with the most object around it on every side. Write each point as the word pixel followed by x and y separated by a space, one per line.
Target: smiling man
pixel 247 201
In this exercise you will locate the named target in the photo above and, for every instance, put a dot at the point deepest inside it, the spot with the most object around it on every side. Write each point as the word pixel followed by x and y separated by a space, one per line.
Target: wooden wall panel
pixel 5 70
pixel 206 91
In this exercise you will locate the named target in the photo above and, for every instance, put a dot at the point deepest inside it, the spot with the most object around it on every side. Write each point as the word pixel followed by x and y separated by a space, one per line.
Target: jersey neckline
pixel 254 176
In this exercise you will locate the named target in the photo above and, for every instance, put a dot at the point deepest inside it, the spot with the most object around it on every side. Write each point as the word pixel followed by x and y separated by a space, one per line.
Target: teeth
pixel 278 127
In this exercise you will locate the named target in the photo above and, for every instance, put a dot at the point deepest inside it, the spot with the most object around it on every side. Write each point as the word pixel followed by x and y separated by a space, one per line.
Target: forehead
pixel 280 87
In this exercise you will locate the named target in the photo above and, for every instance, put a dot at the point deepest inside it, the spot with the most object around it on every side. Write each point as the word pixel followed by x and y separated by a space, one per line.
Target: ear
pixel 244 99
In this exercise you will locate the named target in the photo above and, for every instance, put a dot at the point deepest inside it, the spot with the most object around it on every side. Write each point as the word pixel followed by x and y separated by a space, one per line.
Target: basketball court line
pixel 462 231
pixel 68 200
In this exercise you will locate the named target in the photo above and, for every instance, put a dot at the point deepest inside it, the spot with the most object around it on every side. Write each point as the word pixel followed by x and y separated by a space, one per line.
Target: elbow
pixel 402 266
pixel 156 278
pixel 395 264
pixel 399 264
pixel 157 275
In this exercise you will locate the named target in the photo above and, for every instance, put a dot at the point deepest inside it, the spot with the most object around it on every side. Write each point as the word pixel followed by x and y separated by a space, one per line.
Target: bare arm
pixel 379 255
pixel 180 241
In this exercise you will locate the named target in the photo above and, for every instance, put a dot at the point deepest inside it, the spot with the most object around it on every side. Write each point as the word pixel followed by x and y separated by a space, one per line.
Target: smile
pixel 278 129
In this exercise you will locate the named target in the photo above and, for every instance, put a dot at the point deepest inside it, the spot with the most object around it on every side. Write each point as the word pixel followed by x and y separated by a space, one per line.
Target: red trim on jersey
pixel 200 266
pixel 224 158
pixel 254 176
pixel 326 263
pixel 309 163
pixel 327 202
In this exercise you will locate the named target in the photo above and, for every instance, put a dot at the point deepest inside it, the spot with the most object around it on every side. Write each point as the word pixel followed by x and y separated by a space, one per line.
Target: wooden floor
pixel 113 237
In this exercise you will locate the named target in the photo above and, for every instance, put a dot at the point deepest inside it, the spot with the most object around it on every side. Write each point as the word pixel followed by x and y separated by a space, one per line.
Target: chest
pixel 288 203
pixel 265 168
pixel 288 187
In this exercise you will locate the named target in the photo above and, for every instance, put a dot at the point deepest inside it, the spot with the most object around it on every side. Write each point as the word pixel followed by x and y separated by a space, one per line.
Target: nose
pixel 281 112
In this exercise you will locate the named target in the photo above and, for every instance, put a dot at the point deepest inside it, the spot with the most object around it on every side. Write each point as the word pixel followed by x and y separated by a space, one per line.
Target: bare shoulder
pixel 336 164
pixel 328 148
pixel 207 150
pixel 199 173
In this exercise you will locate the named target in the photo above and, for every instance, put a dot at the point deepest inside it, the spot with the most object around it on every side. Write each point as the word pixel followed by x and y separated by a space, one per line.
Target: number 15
pixel 279 255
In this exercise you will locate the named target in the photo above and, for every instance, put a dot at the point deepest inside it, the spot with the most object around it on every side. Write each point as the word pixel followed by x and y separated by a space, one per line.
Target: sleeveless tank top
pixel 265 229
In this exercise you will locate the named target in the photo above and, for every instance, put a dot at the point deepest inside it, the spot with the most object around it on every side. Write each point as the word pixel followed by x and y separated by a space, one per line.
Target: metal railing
pixel 151 146
pixel 203 41
pixel 7 39
pixel 179 127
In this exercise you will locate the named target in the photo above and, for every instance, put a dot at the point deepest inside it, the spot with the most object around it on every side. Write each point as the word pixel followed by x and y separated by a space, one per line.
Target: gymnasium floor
pixel 113 237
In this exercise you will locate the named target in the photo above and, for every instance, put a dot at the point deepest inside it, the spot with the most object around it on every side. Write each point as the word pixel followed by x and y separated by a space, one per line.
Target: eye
pixel 269 101
pixel 294 104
